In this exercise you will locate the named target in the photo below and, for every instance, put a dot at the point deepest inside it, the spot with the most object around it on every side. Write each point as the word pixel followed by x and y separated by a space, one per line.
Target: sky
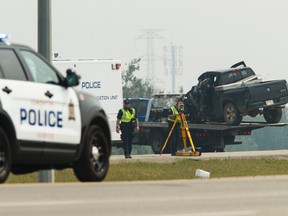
pixel 214 34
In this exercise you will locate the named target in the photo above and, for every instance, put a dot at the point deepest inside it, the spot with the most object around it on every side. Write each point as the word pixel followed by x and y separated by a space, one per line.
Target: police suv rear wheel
pixel 94 162
pixel 5 156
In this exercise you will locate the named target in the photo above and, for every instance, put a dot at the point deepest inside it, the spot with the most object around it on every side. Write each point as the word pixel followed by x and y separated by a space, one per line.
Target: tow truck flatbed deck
pixel 217 125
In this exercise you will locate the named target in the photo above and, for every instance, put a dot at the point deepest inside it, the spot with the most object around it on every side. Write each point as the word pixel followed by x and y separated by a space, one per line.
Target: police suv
pixel 44 122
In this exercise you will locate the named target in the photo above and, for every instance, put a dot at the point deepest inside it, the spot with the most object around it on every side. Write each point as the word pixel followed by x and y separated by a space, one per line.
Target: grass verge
pixel 180 169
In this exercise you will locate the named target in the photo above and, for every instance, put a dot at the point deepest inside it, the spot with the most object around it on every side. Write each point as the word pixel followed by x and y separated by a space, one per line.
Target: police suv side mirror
pixel 72 79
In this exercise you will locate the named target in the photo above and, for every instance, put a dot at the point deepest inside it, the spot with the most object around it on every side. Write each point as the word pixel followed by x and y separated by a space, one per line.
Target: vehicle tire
pixel 157 141
pixel 5 156
pixel 272 115
pixel 231 114
pixel 93 164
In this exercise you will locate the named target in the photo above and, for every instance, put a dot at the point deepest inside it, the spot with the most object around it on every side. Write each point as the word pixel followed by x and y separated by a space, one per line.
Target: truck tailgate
pixel 269 90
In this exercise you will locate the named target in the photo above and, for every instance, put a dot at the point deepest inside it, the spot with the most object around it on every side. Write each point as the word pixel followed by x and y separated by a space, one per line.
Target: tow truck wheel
pixel 5 156
pixel 157 142
pixel 272 115
pixel 231 114
pixel 94 162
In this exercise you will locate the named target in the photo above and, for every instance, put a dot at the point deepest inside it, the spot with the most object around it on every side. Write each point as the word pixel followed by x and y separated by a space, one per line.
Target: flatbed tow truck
pixel 208 136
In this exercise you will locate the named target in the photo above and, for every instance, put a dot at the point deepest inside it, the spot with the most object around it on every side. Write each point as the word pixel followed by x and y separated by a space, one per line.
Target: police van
pixel 101 78
pixel 45 123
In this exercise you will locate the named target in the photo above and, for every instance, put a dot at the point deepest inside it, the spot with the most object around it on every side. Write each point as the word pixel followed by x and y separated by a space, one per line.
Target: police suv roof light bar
pixel 4 37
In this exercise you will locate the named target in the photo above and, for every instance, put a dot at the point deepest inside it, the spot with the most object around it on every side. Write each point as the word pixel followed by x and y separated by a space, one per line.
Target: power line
pixel 150 35
pixel 173 63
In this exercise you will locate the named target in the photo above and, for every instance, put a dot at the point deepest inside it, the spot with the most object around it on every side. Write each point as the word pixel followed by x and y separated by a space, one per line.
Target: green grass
pixel 180 169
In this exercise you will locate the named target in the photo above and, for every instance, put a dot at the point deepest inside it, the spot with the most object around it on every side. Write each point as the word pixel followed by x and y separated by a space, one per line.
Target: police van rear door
pixel 101 78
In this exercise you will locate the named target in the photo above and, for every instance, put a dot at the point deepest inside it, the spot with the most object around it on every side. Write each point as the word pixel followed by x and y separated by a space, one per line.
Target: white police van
pixel 101 78
pixel 44 122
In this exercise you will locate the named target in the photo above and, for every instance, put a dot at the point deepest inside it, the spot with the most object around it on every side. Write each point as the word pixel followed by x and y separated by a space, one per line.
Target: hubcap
pixel 97 159
pixel 230 114
pixel 157 144
pixel 95 153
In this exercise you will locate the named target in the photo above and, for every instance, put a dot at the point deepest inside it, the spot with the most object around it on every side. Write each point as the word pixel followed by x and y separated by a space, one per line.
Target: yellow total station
pixel 184 133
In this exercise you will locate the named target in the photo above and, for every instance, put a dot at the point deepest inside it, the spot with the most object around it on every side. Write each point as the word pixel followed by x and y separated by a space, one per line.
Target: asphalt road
pixel 204 197
pixel 263 196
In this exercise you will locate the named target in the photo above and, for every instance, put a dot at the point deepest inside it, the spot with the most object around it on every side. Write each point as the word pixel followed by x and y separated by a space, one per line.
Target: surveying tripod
pixel 184 133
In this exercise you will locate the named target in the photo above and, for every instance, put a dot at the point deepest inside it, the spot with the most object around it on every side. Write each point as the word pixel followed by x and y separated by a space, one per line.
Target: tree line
pixel 132 86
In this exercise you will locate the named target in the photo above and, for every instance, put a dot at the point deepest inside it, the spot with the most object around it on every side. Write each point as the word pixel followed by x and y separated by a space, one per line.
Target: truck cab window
pixel 10 66
pixel 247 72
pixel 227 78
pixel 40 71
pixel 231 77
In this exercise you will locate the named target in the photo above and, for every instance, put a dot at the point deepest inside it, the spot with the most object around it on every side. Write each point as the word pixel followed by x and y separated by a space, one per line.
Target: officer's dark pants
pixel 175 137
pixel 127 136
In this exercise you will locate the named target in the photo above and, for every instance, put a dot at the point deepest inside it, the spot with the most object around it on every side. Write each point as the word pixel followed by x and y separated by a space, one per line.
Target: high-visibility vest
pixel 127 116
pixel 174 112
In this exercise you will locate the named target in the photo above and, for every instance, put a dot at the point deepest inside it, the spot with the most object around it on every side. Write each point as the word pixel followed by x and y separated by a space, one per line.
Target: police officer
pixel 176 133
pixel 128 118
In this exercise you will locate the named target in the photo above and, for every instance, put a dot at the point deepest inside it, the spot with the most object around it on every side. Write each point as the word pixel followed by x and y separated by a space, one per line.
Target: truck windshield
pixel 141 107
pixel 165 101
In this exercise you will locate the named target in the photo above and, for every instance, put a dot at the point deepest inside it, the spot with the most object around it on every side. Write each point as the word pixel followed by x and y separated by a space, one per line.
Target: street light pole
pixel 44 49
pixel 44 28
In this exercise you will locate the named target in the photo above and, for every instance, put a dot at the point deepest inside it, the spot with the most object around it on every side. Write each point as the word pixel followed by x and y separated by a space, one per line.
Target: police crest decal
pixel 71 110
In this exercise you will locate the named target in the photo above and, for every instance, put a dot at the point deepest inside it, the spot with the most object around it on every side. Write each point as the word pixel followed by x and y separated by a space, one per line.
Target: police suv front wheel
pixel 94 162
pixel 5 156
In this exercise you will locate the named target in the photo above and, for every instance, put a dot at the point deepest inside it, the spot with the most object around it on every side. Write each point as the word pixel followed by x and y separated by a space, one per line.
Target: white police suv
pixel 44 122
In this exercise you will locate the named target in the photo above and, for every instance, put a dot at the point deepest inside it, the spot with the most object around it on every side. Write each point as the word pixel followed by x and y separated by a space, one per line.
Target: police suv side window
pixel 10 66
pixel 39 69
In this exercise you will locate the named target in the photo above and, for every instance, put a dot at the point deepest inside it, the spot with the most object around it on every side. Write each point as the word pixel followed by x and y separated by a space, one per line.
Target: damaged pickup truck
pixel 230 94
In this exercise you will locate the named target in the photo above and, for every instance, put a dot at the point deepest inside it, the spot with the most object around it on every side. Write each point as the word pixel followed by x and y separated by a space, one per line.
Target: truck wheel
pixel 157 142
pixel 272 115
pixel 231 114
pixel 93 164
pixel 5 156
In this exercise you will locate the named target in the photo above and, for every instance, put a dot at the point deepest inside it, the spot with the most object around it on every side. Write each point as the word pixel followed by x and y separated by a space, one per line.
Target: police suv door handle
pixel 48 94
pixel 7 90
